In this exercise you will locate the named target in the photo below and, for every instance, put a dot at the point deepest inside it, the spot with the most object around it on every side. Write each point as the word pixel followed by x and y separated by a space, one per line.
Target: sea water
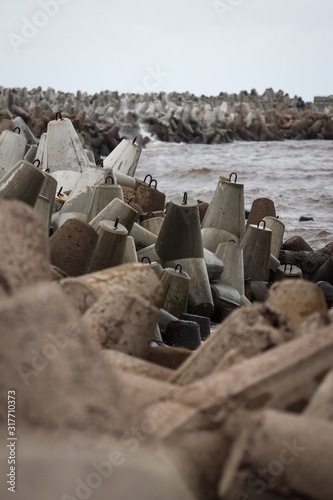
pixel 296 175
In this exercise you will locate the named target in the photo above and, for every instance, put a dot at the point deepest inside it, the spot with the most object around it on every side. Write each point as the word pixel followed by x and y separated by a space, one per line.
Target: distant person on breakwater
pixel 300 104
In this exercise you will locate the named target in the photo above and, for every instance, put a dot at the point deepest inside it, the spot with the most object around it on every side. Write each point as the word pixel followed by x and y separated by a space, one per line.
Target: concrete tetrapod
pixel 281 452
pixel 30 155
pixel 200 300
pixel 213 236
pixel 48 191
pixel 117 208
pixel 150 199
pixel 124 158
pixel 110 247
pixel 226 210
pixel 23 182
pixel 102 195
pixel 176 284
pixel 123 321
pixel 277 228
pixel 23 259
pixel 79 200
pixel 64 150
pixel 72 247
pixel 142 237
pixel 180 236
pixel 228 291
pixel 256 245
pixel 12 149
pixel 261 207
pixel 130 254
pixel 153 224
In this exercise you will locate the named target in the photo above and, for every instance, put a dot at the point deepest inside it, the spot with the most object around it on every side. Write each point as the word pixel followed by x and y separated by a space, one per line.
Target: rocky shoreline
pixel 104 119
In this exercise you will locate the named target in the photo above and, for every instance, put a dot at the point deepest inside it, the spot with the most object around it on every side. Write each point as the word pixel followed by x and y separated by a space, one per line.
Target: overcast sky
pixel 204 46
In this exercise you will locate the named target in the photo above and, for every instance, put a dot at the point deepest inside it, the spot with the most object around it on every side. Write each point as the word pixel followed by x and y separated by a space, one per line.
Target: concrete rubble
pixel 93 282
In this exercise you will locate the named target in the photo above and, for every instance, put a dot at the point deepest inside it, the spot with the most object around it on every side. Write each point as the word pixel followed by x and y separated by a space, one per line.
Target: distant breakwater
pixel 103 119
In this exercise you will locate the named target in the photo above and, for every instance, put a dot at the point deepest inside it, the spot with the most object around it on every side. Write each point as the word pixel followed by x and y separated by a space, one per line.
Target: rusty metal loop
pixel 288 264
pixel 148 259
pixel 148 175
pixel 135 138
pixel 116 222
pixel 100 163
pixel 180 267
pixel 17 128
pixel 233 173
pixel 262 220
pixel 109 177
pixel 59 192
pixel 130 200
pixel 153 180
pixel 152 213
pixel 58 116
pixel 184 202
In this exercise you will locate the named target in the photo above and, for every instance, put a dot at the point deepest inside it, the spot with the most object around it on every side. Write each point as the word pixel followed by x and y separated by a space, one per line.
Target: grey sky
pixel 204 46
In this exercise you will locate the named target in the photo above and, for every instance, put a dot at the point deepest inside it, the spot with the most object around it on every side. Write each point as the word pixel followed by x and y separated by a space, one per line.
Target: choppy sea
pixel 296 175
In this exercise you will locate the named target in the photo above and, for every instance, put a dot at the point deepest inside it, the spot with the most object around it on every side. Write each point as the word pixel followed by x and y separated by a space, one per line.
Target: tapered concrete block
pixel 80 198
pixel 180 236
pixel 72 247
pixel 150 199
pixel 124 159
pixel 122 321
pixel 153 224
pixel 226 210
pixel 176 284
pixel 142 237
pixel 200 300
pixel 110 247
pixel 214 265
pixel 24 246
pixel 63 147
pixel 212 237
pixel 261 207
pixel 150 253
pixel 102 195
pixel 116 208
pixel 277 228
pixel 232 256
pixel 130 254
pixel 256 245
pixel 23 182
pixel 12 150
